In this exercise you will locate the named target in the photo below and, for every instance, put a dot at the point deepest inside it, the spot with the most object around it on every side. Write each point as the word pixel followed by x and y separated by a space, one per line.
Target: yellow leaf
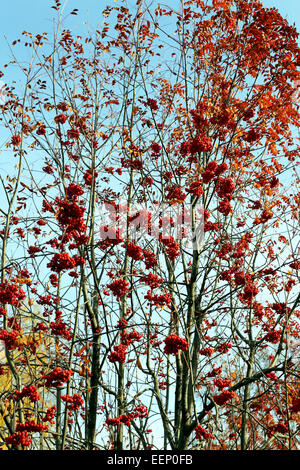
pixel 82 349
pixel 5 410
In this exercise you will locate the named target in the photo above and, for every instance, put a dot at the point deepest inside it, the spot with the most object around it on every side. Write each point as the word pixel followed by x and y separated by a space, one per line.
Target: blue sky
pixel 35 15
pixel 289 9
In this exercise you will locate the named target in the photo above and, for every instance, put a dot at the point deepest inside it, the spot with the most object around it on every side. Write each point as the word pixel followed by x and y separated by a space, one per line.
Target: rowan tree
pixel 150 252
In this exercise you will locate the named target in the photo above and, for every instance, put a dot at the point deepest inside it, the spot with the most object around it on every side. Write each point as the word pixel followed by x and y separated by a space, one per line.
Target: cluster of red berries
pixel 48 168
pixel 90 176
pixel 135 251
pixel 174 193
pixel 50 415
pixel 70 212
pixel 295 407
pixel 109 236
pixel 53 280
pixel 60 119
pixel 171 247
pixel 11 294
pixel 159 300
pixel 249 293
pixel 206 351
pixel 225 207
pixel 63 261
pixel 3 312
pixel 264 217
pixel 224 348
pixel 273 337
pixel 40 327
pixel 119 288
pixel 138 412
pixel 272 376
pixel 199 143
pixel 295 264
pixel 225 188
pixel 59 328
pixel 118 354
pixel 45 300
pixel 280 308
pixel 57 377
pixel 174 344
pixel 195 189
pixel 215 371
pixel 134 164
pixel 149 259
pixel 122 323
pixel 29 391
pixel 20 232
pixel 224 250
pixel 211 226
pixel 73 134
pixel 152 280
pixel 31 426
pixel 152 104
pixel 252 136
pixel 156 150
pixel 16 140
pixel 280 427
pixel 19 439
pixel 74 402
pixel 70 216
pixel 41 130
pixel 9 338
pixel 224 397
pixel 213 170
pixel 148 181
pixel 129 338
pixel 201 433
pixel 222 383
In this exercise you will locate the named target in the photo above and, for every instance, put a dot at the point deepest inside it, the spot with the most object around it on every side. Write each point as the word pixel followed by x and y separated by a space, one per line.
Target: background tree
pixel 148 339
